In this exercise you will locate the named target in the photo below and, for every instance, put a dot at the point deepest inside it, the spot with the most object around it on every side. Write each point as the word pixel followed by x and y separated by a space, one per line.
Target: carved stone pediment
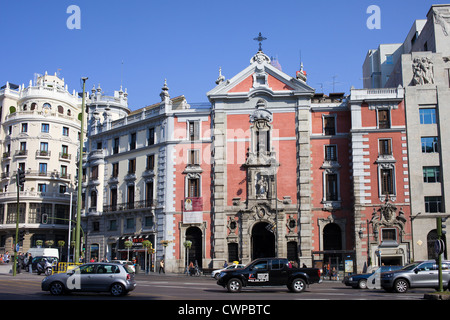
pixel 386 216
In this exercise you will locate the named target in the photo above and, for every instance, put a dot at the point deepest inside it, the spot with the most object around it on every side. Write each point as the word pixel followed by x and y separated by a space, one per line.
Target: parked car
pixel 215 273
pixel 269 272
pixel 422 274
pixel 125 262
pixel 359 281
pixel 115 278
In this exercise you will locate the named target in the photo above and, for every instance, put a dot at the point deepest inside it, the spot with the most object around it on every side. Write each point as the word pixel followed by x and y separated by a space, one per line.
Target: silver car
pixel 215 273
pixel 94 277
pixel 422 274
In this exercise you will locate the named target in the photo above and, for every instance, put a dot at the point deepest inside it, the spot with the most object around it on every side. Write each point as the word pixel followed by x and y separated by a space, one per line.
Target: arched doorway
pixel 194 235
pixel 332 237
pixel 332 241
pixel 263 241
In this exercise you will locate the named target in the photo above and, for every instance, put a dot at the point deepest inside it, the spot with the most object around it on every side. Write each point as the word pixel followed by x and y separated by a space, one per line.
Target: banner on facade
pixel 192 217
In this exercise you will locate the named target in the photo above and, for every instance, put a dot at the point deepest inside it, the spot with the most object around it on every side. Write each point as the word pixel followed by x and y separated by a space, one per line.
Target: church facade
pixel 268 168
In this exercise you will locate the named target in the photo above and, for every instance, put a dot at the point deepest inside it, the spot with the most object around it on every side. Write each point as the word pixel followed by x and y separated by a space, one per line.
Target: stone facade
pixel 423 70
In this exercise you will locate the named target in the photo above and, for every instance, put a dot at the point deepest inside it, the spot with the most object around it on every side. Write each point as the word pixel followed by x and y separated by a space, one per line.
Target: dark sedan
pixel 94 277
pixel 360 280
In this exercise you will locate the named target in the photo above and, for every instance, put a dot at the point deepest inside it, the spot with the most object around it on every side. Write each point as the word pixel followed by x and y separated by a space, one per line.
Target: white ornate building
pixel 40 133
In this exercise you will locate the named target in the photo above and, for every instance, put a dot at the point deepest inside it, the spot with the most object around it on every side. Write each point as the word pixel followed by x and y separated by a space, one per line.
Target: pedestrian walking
pixel 20 262
pixel 30 263
pixel 6 257
pixel 191 268
pixel 334 274
pixel 161 266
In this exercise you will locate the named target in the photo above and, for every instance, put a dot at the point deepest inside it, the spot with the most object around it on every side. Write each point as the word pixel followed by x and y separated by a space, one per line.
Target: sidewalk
pixel 6 268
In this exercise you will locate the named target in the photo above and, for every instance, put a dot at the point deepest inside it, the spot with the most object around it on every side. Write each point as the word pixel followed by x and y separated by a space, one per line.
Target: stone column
pixel 219 192
pixel 304 185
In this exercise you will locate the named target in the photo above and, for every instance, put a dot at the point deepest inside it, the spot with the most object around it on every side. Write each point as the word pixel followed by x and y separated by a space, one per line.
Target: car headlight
pixel 389 275
pixel 350 279
pixel 221 274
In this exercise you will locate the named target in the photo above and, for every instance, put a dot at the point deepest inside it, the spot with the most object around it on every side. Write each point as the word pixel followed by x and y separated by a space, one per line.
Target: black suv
pixel 268 272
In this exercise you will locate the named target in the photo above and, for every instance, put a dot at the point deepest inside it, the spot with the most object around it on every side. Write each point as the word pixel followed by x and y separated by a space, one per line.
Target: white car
pixel 123 262
pixel 215 273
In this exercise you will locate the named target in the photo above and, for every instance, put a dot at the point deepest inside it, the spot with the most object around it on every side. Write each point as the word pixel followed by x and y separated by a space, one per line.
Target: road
pixel 181 297
pixel 178 287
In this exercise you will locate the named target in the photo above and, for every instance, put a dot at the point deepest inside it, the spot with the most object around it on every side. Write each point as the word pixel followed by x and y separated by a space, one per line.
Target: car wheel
pixel 56 288
pixel 117 289
pixel 401 286
pixel 216 276
pixel 362 284
pixel 298 285
pixel 234 285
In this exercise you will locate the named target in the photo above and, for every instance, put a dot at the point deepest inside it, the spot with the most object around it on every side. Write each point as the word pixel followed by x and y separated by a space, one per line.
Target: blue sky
pixel 186 42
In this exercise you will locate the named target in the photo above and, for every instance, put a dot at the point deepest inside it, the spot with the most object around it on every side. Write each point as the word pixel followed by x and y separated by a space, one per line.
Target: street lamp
pixel 80 173
pixel 70 226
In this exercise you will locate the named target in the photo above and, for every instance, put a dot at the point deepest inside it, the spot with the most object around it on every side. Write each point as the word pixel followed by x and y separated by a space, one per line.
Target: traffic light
pixel 443 226
pixel 20 177
pixel 21 236
pixel 44 218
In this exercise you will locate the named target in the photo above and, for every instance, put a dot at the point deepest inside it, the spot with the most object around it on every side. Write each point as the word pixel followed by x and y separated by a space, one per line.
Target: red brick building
pixel 269 168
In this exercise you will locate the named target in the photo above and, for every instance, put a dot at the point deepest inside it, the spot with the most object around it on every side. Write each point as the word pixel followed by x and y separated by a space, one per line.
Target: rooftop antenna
pixel 334 82
pixel 300 53
pixel 121 74
pixel 321 86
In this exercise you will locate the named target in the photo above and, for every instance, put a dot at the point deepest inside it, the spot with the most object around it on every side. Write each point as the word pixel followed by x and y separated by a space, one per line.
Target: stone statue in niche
pixel 261 186
pixel 422 71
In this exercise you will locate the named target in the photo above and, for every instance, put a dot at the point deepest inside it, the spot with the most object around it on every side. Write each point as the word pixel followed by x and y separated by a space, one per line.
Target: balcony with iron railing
pixel 43 154
pixel 45 174
pixel 125 206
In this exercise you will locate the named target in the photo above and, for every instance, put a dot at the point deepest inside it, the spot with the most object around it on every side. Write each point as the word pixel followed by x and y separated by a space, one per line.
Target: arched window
pixel 60 109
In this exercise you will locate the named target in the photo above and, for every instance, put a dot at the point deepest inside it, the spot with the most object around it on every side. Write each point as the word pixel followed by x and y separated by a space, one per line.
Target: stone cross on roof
pixel 260 39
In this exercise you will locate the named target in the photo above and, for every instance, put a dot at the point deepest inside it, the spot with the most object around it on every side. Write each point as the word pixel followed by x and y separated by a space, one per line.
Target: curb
pixel 436 296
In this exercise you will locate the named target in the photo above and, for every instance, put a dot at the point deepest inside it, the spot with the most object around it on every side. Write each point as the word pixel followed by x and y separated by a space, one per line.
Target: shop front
pixel 132 248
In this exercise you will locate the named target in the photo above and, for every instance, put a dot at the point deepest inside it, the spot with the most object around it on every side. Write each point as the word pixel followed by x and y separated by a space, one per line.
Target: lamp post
pixel 80 173
pixel 70 226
